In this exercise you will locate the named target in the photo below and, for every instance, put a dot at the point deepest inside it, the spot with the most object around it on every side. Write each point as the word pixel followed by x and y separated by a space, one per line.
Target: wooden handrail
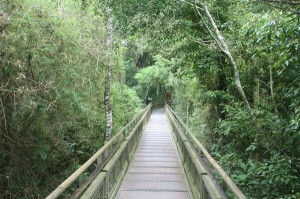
pixel 106 185
pixel 237 192
pixel 63 186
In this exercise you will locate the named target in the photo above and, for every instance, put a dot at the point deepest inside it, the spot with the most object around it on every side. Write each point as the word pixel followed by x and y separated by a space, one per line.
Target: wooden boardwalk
pixel 155 171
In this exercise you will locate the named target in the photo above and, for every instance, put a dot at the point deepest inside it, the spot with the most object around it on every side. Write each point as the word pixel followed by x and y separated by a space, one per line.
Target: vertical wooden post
pixel 99 160
pixel 81 179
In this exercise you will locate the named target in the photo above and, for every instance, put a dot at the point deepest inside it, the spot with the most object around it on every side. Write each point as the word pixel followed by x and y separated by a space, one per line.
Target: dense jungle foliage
pixel 52 93
pixel 52 81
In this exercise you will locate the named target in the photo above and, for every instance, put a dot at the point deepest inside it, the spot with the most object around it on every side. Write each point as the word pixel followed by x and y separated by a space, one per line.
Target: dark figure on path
pixel 148 100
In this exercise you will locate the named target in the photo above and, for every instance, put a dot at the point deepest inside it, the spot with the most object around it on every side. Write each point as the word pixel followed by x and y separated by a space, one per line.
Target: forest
pixel 74 72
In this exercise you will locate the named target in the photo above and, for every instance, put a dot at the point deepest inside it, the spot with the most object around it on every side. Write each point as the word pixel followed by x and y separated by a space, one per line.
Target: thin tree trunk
pixel 60 8
pixel 109 46
pixel 272 88
pixel 187 112
pixel 146 94
pixel 222 44
pixel 255 62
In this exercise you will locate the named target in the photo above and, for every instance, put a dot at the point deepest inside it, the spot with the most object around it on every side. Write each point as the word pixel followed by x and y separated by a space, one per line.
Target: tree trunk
pixel 222 44
pixel 146 94
pixel 221 86
pixel 187 112
pixel 272 88
pixel 255 62
pixel 60 8
pixel 109 46
pixel 4 22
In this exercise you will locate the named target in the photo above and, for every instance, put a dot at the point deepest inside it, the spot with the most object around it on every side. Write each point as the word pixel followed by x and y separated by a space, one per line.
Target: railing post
pixel 107 151
pixel 202 188
pixel 127 155
pixel 106 187
pixel 81 179
pixel 99 160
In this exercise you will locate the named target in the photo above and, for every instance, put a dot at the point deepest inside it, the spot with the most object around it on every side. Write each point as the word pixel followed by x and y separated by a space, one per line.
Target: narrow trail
pixel 156 170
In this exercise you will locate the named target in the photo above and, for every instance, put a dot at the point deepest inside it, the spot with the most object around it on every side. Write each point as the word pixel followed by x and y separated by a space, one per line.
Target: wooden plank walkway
pixel 156 170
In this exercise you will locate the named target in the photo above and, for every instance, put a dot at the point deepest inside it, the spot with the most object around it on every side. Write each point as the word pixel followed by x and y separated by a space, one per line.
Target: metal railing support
pixel 110 150
pixel 117 166
pixel 186 141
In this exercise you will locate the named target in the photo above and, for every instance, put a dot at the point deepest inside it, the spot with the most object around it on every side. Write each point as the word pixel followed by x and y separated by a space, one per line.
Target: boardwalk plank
pixel 155 171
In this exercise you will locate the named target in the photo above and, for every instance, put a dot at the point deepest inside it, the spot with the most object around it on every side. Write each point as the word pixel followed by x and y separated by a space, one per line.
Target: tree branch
pixel 4 116
pixel 226 50
pixel 218 37
pixel 192 4
pixel 279 2
pixel 213 36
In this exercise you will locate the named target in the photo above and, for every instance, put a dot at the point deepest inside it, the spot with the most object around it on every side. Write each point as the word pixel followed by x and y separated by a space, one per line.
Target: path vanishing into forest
pixel 156 170
pixel 153 156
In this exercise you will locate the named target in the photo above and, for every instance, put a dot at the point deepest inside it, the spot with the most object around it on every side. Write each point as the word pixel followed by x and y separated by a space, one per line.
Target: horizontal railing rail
pixel 108 181
pixel 201 179
pixel 104 161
